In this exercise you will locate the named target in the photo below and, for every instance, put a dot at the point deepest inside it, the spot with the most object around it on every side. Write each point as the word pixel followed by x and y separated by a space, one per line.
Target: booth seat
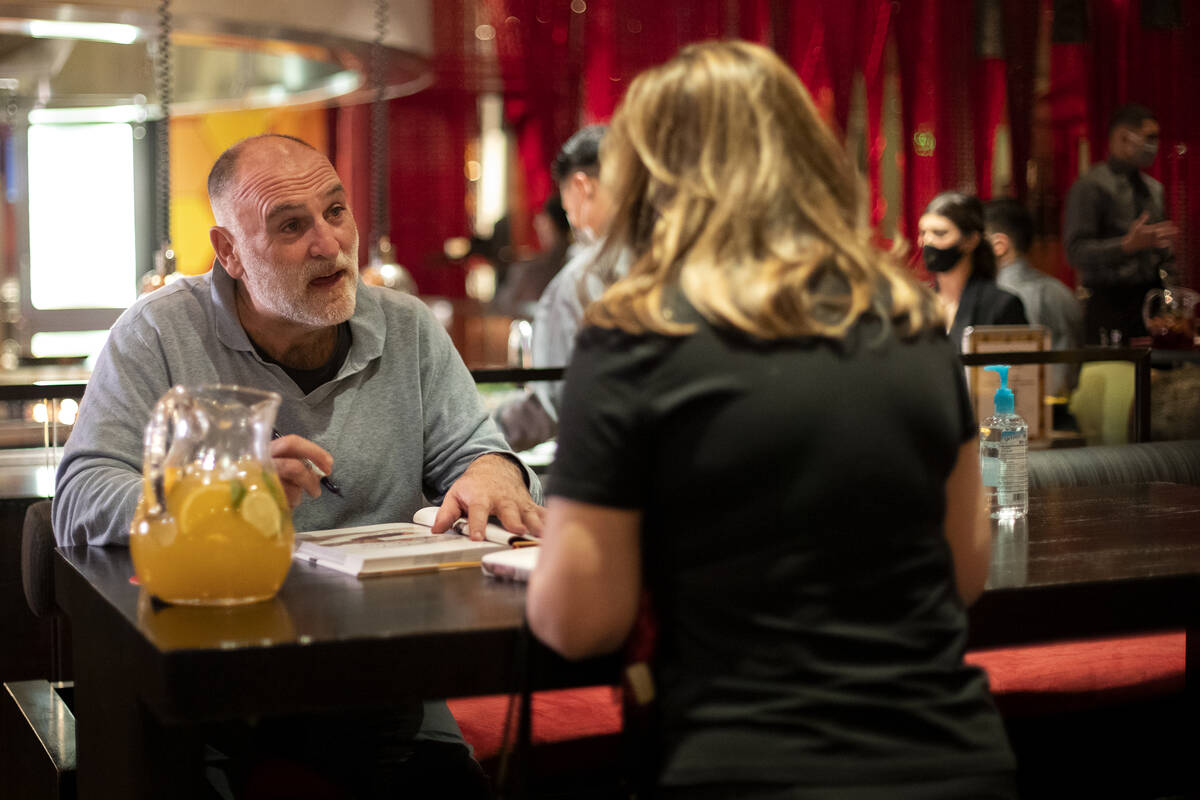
pixel 559 715
pixel 1069 676
pixel 575 736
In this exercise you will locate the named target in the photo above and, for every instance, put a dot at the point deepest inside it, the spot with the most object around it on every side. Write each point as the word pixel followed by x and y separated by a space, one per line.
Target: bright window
pixel 81 216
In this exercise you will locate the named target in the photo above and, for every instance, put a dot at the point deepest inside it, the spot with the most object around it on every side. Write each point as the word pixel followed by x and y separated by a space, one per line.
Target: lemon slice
pixel 200 504
pixel 260 510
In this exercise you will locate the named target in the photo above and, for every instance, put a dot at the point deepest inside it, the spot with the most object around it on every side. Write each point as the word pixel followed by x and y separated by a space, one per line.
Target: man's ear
pixel 584 183
pixel 222 245
pixel 1001 244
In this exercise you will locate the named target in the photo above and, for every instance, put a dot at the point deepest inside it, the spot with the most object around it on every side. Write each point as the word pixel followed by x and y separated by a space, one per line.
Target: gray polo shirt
pixel 402 417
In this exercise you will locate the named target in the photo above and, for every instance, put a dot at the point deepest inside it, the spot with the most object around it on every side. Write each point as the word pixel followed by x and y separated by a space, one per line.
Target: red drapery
pixel 1020 20
pixel 935 49
pixel 625 37
pixel 426 146
pixel 540 51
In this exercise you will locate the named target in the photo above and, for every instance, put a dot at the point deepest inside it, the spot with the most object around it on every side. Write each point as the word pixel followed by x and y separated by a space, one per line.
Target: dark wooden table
pixel 1088 562
pixel 1092 561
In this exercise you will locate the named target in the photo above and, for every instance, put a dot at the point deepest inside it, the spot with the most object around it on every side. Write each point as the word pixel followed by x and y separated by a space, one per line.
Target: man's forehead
pixel 268 174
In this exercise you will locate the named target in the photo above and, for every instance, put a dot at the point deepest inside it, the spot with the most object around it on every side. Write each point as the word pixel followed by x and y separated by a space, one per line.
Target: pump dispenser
pixel 1003 448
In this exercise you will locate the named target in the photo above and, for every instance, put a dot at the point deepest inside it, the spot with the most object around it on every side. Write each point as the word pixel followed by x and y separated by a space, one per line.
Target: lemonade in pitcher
pixel 213 526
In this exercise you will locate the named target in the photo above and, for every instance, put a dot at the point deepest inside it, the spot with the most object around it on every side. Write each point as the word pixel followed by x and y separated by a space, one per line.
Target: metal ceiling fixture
pixel 164 256
pixel 382 268
pixel 94 60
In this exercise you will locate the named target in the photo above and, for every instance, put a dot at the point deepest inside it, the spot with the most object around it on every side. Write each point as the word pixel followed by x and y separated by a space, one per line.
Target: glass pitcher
pixel 213 526
pixel 1170 317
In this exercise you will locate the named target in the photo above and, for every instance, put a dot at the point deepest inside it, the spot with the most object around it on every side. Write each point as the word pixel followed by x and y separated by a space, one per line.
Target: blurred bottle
pixel 1003 448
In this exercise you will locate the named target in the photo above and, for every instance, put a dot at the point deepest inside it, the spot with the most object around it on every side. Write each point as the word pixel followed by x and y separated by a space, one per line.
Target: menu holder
pixel 1027 381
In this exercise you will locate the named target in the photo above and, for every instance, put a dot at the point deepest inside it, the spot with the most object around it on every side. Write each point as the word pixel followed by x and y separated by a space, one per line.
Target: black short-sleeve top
pixel 793 496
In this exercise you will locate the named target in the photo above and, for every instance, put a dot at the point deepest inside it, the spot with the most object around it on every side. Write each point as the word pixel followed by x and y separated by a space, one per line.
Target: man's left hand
pixel 492 486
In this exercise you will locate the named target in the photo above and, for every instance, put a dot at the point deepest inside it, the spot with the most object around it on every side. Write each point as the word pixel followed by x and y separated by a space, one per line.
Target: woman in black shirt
pixel 954 249
pixel 765 428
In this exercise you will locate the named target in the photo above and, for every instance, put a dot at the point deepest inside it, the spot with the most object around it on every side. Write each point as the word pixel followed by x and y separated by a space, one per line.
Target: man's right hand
pixel 289 454
pixel 1143 236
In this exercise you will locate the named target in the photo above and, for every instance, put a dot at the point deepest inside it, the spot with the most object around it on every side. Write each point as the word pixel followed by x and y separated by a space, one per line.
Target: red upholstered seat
pixel 574 725
pixel 560 716
pixel 1071 676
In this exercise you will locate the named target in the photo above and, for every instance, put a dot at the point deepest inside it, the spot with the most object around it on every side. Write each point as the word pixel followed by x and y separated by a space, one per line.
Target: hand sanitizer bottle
pixel 1003 443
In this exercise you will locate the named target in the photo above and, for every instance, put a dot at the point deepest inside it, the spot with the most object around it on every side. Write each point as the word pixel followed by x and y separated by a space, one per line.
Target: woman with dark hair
pixel 765 431
pixel 950 235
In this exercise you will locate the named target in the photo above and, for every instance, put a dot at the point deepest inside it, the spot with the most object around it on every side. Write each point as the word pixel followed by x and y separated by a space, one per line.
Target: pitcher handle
pixel 159 435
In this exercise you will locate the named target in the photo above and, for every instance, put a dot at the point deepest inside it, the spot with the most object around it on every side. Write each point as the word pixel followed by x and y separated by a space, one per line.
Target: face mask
pixel 938 259
pixel 1145 154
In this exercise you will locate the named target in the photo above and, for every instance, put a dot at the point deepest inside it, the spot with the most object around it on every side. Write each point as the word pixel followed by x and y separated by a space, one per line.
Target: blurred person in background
pixel 533 418
pixel 526 280
pixel 761 369
pixel 1047 300
pixel 950 235
pixel 1116 232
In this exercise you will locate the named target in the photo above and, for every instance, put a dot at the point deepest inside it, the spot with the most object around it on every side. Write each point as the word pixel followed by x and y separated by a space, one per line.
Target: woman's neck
pixel 950 284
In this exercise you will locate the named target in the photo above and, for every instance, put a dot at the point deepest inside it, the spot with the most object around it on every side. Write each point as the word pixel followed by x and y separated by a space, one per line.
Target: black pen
pixel 325 481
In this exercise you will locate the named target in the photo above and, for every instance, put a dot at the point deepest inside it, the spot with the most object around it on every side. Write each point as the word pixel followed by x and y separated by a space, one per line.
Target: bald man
pixel 374 392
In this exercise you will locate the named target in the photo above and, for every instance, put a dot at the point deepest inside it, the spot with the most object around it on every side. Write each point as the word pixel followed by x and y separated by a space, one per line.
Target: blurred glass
pixel 1170 317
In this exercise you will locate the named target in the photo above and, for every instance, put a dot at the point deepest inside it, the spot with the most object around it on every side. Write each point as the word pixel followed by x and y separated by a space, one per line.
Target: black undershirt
pixel 309 379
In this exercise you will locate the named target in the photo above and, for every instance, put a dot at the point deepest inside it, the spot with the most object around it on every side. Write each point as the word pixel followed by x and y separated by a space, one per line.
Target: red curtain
pixel 873 23
pixel 427 142
pixel 540 51
pixel 935 52
pixel 625 37
pixel 1021 30
pixel 990 90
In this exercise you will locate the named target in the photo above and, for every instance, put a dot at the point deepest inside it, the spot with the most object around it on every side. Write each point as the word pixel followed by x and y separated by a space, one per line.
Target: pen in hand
pixel 320 473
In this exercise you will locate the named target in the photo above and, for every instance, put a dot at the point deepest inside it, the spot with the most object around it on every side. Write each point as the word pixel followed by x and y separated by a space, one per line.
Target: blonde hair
pixel 726 183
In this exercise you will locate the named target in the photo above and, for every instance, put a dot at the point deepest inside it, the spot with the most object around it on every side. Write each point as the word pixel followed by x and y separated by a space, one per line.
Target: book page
pixel 397 533
pixel 492 533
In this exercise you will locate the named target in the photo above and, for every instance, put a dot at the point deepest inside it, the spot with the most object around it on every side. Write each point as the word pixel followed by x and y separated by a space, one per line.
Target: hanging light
pixel 164 255
pixel 382 268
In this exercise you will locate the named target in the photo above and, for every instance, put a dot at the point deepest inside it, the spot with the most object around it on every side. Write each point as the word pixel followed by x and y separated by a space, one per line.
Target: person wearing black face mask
pixel 1116 233
pixel 950 234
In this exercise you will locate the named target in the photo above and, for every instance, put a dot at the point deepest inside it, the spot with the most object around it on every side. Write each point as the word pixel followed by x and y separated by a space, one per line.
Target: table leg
pixel 122 749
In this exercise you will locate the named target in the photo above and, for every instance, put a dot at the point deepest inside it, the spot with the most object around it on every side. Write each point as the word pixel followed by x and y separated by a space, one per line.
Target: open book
pixel 399 547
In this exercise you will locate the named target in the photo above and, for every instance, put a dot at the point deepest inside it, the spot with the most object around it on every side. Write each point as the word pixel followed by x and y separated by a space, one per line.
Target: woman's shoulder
pixel 1006 307
pixel 995 306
